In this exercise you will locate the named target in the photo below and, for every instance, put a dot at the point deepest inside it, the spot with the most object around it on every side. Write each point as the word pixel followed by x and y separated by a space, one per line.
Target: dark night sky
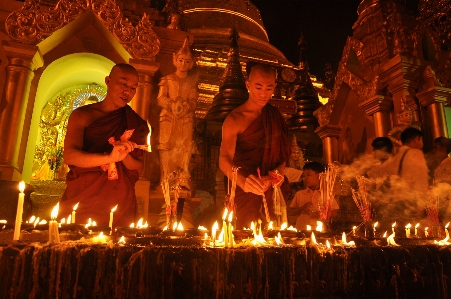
pixel 326 24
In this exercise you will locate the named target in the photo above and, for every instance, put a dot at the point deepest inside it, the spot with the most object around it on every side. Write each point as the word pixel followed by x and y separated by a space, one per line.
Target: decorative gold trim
pixel 30 25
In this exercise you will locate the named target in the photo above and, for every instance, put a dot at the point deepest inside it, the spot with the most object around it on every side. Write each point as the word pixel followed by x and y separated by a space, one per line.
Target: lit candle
pixel 54 236
pixel 73 212
pixel 446 230
pixel 393 227
pixel 224 227
pixel 213 232
pixel 111 218
pixel 230 230
pixel 149 148
pixel 416 229
pixel 353 230
pixel 408 230
pixel 426 234
pixel 19 211
pixel 374 227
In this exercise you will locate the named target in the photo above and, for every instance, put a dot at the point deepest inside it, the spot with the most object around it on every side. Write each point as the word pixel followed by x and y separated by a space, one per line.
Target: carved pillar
pixel 329 135
pixel 434 100
pixel 23 60
pixel 141 103
pixel 379 107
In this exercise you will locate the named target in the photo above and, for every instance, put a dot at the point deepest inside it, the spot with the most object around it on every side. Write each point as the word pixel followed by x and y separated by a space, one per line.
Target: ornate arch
pixel 31 24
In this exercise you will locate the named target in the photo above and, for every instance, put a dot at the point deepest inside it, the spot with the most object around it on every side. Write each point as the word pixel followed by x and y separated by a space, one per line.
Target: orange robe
pixel 265 145
pixel 91 187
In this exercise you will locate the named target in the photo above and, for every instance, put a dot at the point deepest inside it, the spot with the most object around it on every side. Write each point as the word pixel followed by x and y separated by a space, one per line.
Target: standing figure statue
pixel 405 120
pixel 178 99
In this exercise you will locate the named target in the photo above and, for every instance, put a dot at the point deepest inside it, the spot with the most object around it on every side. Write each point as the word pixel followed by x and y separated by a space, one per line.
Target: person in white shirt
pixel 442 175
pixel 305 205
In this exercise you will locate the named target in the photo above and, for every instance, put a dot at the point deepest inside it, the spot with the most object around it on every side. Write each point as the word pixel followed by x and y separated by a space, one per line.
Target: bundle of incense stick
pixel 432 207
pixel 265 204
pixel 144 147
pixel 326 187
pixel 231 199
pixel 361 199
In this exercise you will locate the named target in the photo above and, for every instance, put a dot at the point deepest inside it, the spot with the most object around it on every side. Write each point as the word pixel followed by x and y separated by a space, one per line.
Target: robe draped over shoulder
pixel 90 185
pixel 265 145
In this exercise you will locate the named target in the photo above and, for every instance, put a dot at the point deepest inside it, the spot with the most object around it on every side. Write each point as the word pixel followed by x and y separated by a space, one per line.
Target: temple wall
pixel 357 130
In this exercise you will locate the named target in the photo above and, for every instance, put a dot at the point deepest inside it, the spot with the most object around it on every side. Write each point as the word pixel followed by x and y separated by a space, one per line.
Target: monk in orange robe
pixel 99 149
pixel 254 138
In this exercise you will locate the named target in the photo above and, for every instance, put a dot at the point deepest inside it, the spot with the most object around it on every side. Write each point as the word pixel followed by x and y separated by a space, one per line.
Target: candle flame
pixel 309 227
pixel 313 238
pixel 375 224
pixel 200 227
pixel 292 228
pixel 354 227
pixel 343 238
pixel 63 221
pixel 283 226
pixel 224 216
pixel 43 221
pixel 22 187
pixel 270 225
pixel 408 225
pixel 230 216
pixel 32 219
pixel 319 226
pixel 121 240
pixel 385 234
pixel 114 209
pixel 205 236
pixel 394 224
pixel 140 223
pixel 132 225
pixel 446 226
pixel 221 236
pixel 69 219
pixel 174 226
pixel 279 239
pixel 327 244
pixel 165 228
pixel 94 223
pixel 215 227
pixel 417 225
pixel 36 222
pixel 180 226
pixel 149 147
pixel 54 213
pixel 391 240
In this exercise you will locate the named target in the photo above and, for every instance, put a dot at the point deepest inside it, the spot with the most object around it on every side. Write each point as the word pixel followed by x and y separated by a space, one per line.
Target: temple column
pixel 329 135
pixel 434 99
pixel 379 108
pixel 23 60
pixel 142 105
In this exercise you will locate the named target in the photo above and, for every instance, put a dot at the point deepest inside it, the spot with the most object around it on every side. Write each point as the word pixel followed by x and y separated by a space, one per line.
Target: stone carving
pixel 178 99
pixel 405 120
pixel 31 25
pixel 430 78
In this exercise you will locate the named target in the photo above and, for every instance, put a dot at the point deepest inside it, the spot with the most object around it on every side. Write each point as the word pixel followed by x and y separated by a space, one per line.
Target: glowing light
pixel 319 226
pixel 270 225
pixel 121 240
pixel 54 213
pixel 22 187
pixel 180 226
pixel 283 226
pixel 200 227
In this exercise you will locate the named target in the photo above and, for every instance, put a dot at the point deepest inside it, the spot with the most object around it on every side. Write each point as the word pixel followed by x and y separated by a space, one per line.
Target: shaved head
pixel 262 69
pixel 124 67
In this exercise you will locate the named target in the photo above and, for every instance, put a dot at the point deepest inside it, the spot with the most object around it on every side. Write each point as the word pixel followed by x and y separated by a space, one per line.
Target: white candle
pixel 416 229
pixel 213 232
pixel 53 226
pixel 73 212
pixel 19 211
pixel 111 218
pixel 224 228
pixel 408 230
pixel 229 230
pixel 149 148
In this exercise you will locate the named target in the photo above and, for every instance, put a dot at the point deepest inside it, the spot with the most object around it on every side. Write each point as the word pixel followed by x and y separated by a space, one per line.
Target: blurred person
pixel 442 175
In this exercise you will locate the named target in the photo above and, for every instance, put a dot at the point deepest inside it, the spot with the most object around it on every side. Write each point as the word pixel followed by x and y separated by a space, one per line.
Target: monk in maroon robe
pixel 99 149
pixel 254 137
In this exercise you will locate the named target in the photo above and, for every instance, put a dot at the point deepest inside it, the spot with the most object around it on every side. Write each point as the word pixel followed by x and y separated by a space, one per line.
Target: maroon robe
pixel 265 145
pixel 90 185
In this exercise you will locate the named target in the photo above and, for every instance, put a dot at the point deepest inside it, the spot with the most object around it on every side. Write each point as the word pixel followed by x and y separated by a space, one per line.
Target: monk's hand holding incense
pixel 253 184
pixel 121 150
